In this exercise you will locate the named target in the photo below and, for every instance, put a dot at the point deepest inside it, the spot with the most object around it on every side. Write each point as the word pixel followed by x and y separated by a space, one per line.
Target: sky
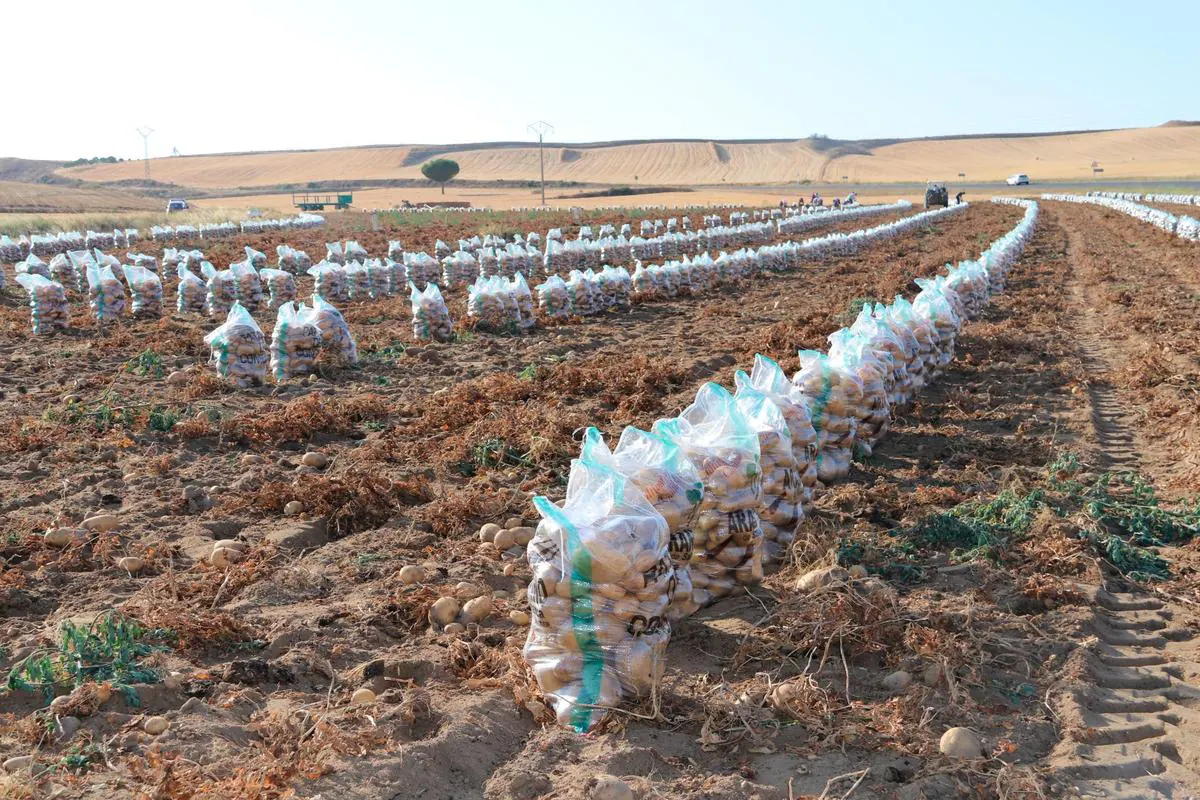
pixel 224 76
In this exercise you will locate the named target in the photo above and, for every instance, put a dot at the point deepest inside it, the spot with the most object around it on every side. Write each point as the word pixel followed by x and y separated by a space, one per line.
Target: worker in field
pixel 958 198
pixel 851 199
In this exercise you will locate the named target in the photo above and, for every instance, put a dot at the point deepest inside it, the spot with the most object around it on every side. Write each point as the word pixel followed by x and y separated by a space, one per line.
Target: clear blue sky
pixel 249 75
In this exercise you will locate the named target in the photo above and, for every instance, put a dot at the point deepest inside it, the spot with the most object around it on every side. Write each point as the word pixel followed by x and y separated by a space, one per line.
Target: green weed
pixel 111 649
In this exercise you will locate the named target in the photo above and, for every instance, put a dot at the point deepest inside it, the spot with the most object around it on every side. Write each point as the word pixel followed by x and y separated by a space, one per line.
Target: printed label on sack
pixel 681 545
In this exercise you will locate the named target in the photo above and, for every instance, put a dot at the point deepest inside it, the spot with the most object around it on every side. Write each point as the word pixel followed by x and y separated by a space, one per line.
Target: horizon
pixel 636 73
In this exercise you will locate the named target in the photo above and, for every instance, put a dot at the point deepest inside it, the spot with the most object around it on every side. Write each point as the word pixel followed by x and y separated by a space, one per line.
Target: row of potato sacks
pixel 673 519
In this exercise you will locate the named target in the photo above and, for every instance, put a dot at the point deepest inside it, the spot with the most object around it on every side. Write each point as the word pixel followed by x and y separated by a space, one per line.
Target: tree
pixel 440 170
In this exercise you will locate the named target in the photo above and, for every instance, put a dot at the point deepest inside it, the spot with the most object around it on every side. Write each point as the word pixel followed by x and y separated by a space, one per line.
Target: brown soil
pixel 427 442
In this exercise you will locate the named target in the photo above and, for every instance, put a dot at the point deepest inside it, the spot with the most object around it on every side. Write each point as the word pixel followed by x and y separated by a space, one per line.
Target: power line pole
pixel 541 129
pixel 145 132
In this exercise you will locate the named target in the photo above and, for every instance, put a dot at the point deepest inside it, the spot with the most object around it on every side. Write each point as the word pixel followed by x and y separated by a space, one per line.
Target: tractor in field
pixel 936 194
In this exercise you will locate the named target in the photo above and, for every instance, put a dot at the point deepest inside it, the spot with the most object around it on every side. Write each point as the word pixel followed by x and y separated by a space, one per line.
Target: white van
pixel 1020 179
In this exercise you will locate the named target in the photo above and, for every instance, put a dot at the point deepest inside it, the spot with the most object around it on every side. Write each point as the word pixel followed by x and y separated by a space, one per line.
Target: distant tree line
pixel 79 162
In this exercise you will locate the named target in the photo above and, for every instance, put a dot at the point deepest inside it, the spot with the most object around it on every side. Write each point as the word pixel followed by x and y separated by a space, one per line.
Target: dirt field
pixel 32 198
pixel 1074 676
pixel 505 198
pixel 1134 153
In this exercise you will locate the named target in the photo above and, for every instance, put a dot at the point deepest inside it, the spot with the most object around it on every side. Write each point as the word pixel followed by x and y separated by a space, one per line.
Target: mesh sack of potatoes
pixel 146 291
pixel 717 438
pixel 329 281
pixel 281 287
pixel 395 250
pixel 769 378
pixel 355 251
pixel 582 294
pixel 834 396
pixel 925 360
pixel 423 269
pixel 397 275
pixel 334 253
pixel 285 259
pixel 295 342
pixel 781 507
pixel 191 294
pixel 32 265
pixel 143 260
pixel 855 355
pixel 644 285
pixel 238 348
pixel 63 271
pixel 440 249
pixel 488 264
pixel 616 285
pixel 10 250
pixel 430 317
pixel 358 281
pixel 518 287
pixel 379 278
pixel 171 258
pixel 335 333
pixel 47 303
pixel 898 349
pixel 554 298
pixel 106 294
pixel 914 360
pixel 489 306
pixel 934 305
pixel 248 285
pixel 969 281
pixel 602 580
pixel 255 258
pixel 665 476
pixel 222 292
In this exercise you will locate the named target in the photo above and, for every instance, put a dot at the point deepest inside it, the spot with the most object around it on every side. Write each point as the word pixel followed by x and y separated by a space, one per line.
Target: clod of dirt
pixel 477 610
pixel 411 574
pixel 932 675
pixel 197 499
pixel 177 378
pixel 67 726
pixel 609 788
pixel 488 532
pixel 255 671
pixel 455 628
pixel 858 572
pixel 362 697
pixel 101 522
pixel 156 725
pixel 820 578
pixel 313 459
pixel 961 743
pixel 293 508
pixel 897 682
pixel 59 537
pixel 518 617
pixel 131 564
pixel 18 763
pixel 444 611
pixel 252 459
pixel 300 536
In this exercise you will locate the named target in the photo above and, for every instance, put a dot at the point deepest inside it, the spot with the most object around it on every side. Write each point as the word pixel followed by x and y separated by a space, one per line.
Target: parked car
pixel 1020 179
pixel 177 204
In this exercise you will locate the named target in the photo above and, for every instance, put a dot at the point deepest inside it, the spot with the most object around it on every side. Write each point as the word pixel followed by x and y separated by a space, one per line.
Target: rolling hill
pixel 1169 151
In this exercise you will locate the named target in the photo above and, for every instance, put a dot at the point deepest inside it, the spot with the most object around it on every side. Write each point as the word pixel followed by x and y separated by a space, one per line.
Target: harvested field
pixel 1008 590
pixel 35 198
